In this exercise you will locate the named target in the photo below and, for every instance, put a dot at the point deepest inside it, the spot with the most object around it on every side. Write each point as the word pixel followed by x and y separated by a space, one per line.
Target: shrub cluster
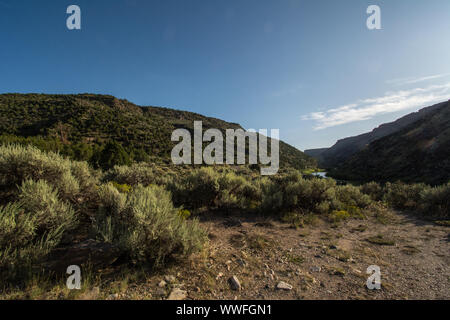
pixel 145 224
pixel 430 201
pixel 33 225
pixel 141 208
pixel 207 187
pixel 138 173
pixel 294 193
pixel 73 180
pixel 46 196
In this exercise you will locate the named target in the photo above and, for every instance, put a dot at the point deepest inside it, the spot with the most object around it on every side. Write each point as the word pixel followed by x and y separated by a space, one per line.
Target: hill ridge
pixel 91 120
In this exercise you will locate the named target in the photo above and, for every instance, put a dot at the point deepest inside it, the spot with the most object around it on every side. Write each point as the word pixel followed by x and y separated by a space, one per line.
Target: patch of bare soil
pixel 272 260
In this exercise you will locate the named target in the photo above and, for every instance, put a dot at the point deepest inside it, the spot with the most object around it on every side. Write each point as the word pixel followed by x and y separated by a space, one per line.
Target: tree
pixel 113 154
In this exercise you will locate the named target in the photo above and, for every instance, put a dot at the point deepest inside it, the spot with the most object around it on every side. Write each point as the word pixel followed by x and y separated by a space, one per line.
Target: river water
pixel 320 174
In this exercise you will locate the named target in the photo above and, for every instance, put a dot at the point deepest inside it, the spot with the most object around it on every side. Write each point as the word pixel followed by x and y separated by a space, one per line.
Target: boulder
pixel 97 254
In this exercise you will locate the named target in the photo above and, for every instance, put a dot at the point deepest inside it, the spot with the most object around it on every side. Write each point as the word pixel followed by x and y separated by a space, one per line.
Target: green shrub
pixel 138 173
pixel 291 193
pixel 19 163
pixel 235 192
pixel 339 215
pixel 87 178
pixel 272 196
pixel 315 195
pixel 112 154
pixel 209 187
pixel 123 188
pixel 404 196
pixel 34 225
pixel 200 188
pixel 374 190
pixel 111 200
pixel 17 228
pixel 42 202
pixel 436 201
pixel 351 196
pixel 145 224
pixel 185 214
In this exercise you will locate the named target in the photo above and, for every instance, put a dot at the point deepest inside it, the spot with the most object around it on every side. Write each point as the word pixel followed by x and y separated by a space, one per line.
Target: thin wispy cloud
pixel 413 80
pixel 369 108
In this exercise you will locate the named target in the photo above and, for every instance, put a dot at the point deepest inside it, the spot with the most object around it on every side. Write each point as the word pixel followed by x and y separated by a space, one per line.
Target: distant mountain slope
pixel 419 152
pixel 344 149
pixel 315 153
pixel 95 119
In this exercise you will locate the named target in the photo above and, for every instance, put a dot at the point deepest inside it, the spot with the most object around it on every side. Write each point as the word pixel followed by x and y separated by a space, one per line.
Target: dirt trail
pixel 320 261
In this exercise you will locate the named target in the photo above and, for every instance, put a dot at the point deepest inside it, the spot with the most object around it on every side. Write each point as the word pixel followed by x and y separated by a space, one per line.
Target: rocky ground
pixel 257 258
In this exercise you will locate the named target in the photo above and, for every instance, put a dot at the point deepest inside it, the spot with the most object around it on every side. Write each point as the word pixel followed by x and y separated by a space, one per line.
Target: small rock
pixel 234 283
pixel 162 284
pixel 177 294
pixel 315 269
pixel 241 262
pixel 169 279
pixel 284 286
pixel 220 275
pixel 113 296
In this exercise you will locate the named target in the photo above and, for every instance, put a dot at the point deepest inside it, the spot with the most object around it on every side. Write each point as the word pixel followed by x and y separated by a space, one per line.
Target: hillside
pixel 79 125
pixel 315 153
pixel 344 149
pixel 419 152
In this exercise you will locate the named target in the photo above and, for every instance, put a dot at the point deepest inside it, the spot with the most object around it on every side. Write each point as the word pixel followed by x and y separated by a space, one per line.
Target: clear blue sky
pixel 310 68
